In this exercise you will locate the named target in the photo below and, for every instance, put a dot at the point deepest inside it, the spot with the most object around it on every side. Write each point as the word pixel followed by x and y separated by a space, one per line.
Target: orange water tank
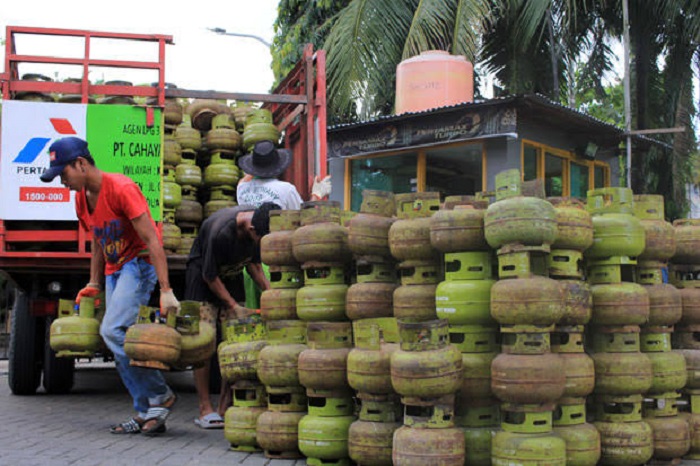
pixel 433 79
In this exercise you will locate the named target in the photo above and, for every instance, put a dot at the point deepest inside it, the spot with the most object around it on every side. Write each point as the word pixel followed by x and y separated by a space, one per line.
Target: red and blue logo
pixel 34 146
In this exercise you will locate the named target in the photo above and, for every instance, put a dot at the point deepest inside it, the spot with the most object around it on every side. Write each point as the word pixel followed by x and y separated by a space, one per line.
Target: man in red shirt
pixel 127 253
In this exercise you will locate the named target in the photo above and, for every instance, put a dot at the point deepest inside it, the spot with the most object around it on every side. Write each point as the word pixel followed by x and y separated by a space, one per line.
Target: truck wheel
pixel 58 372
pixel 23 368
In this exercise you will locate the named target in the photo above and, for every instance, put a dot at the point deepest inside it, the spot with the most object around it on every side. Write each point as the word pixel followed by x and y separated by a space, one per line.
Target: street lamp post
pixel 224 32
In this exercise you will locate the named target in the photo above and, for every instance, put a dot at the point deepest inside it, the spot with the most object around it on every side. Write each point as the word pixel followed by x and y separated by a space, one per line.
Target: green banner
pixel 122 142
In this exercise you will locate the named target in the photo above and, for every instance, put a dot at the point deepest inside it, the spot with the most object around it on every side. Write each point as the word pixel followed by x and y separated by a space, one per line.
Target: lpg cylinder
pixel 371 443
pixel 323 366
pixel 692 364
pixel 186 136
pixel 529 221
pixel 620 304
pixel 476 375
pixel 526 372
pixel 278 304
pixel 368 362
pixel 625 439
pixel 321 237
pixel 671 431
pixel 368 231
pixel 660 240
pixel 198 341
pixel 419 447
pixel 277 434
pixel 240 424
pixel 527 301
pixel 668 366
pixel 321 302
pixel 479 419
pixel 75 334
pixel 426 365
pixel 188 174
pixel 693 420
pixel 189 211
pixel 578 366
pixel 202 111
pixel 373 294
pixel 665 300
pixel 172 193
pixel 409 236
pixel 276 246
pixel 172 152
pixel 414 300
pixel 464 302
pixel 690 300
pixel 578 302
pixel 223 134
pixel 152 344
pixel 574 224
pixel 238 355
pixel 687 234
pixel 616 232
pixel 460 228
pixel 527 438
pixel 221 174
pixel 278 361
pixel 259 127
pixel 582 439
pixel 323 434
pixel 620 369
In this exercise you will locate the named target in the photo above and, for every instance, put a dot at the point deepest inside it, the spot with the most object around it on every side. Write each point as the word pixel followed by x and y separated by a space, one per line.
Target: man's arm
pixel 219 289
pixel 97 263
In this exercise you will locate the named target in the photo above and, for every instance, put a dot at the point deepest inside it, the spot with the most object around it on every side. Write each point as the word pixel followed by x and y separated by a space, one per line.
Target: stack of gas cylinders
pixel 277 428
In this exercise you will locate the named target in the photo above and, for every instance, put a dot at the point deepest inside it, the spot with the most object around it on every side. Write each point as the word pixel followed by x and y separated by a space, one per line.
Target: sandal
pixel 132 426
pixel 159 414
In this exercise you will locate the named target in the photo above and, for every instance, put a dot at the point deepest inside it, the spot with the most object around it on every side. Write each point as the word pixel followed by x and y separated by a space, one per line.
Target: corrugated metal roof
pixel 523 101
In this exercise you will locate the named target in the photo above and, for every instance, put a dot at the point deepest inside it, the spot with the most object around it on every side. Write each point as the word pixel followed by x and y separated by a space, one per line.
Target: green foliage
pixel 300 22
pixel 608 107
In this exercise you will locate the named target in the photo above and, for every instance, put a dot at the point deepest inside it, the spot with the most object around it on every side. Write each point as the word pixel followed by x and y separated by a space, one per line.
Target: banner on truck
pixel 118 138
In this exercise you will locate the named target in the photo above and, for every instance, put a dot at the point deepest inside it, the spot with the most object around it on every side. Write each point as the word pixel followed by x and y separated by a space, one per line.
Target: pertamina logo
pixel 34 146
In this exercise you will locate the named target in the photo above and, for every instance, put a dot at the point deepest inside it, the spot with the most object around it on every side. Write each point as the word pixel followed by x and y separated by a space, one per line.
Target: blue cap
pixel 62 152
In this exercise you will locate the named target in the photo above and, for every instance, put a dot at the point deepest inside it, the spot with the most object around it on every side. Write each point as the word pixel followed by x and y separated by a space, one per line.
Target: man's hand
pixel 91 290
pixel 168 302
pixel 243 312
pixel 321 187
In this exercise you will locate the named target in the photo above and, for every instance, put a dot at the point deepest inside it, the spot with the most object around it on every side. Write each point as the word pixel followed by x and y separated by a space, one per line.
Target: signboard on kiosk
pixel 118 137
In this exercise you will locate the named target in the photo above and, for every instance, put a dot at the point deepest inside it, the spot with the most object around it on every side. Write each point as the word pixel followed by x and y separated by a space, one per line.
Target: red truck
pixel 44 255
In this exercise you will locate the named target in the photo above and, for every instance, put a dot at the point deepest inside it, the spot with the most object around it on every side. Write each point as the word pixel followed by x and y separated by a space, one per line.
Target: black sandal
pixel 158 414
pixel 132 426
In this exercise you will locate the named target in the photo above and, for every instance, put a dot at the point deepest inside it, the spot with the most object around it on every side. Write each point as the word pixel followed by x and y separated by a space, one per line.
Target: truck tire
pixel 58 372
pixel 23 367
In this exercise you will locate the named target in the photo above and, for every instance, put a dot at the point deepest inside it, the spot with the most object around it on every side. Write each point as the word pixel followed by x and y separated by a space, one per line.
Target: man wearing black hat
pixel 227 242
pixel 263 166
pixel 127 253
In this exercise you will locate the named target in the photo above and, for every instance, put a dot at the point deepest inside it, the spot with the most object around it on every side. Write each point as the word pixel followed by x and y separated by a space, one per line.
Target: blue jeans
pixel 125 291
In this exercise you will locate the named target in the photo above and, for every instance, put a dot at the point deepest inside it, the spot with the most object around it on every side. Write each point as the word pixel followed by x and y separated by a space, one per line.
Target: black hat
pixel 61 153
pixel 266 161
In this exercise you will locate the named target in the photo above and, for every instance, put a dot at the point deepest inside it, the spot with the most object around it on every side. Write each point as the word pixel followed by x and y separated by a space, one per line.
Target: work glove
pixel 91 290
pixel 168 302
pixel 321 187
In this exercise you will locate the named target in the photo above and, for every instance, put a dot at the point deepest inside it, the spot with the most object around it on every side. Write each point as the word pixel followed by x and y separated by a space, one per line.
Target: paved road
pixel 73 429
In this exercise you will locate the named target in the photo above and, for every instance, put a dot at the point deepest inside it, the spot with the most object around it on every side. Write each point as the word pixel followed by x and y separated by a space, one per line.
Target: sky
pixel 199 59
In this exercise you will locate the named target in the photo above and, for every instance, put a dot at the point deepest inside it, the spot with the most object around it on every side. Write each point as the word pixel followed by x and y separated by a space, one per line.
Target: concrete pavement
pixel 73 429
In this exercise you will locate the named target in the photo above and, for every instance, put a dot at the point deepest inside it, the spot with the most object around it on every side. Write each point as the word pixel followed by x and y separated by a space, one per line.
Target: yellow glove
pixel 168 302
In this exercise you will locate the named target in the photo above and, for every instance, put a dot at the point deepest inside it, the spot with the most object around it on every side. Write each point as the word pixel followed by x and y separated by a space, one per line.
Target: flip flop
pixel 210 421
pixel 158 414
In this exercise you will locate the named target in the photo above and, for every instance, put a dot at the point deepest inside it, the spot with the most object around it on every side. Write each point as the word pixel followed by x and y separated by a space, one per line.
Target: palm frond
pixel 471 19
pixel 363 48
pixel 431 28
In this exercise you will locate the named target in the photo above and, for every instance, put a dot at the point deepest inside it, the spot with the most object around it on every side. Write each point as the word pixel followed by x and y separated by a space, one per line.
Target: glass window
pixel 395 173
pixel 529 163
pixel 599 176
pixel 579 180
pixel 553 175
pixel 454 171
